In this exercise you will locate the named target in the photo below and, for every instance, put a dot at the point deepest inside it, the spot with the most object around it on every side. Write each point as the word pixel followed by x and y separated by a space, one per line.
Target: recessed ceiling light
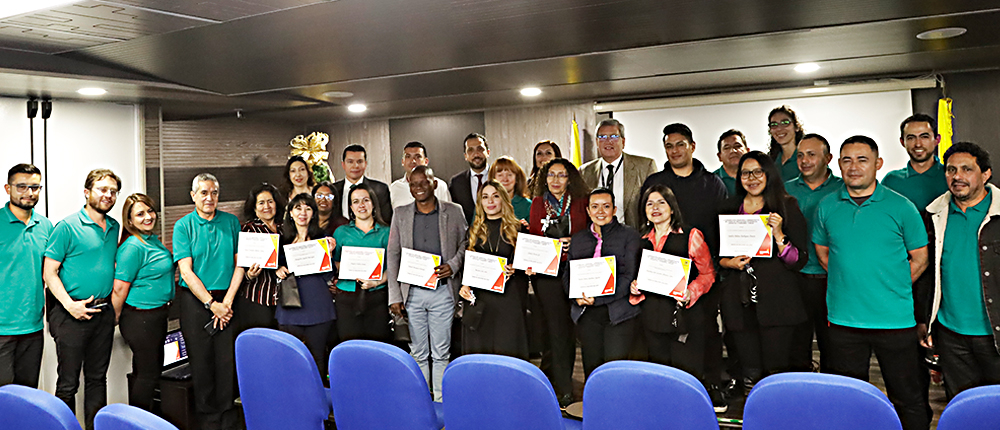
pixel 815 90
pixel 598 107
pixel 530 92
pixel 357 108
pixel 807 67
pixel 941 33
pixel 91 91
pixel 338 94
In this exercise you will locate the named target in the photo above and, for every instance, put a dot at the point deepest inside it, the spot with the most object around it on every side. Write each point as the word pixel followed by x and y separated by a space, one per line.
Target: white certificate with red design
pixel 663 274
pixel 593 277
pixel 257 248
pixel 417 268
pixel 366 264
pixel 306 258
pixel 484 271
pixel 744 235
pixel 540 254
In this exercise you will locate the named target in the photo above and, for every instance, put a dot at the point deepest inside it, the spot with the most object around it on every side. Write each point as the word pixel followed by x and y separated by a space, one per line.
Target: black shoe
pixel 718 400
pixel 748 384
pixel 734 389
pixel 565 400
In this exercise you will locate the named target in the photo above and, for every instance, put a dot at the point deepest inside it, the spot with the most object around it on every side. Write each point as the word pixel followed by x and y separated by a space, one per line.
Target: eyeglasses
pixel 105 190
pixel 25 187
pixel 782 123
pixel 609 137
pixel 756 173
pixel 558 175
pixel 327 197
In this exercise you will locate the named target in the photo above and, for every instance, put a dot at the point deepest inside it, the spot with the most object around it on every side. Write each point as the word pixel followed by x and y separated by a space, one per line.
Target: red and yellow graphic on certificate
pixel 744 235
pixel 417 268
pixel 538 253
pixel 663 274
pixel 309 257
pixel 593 277
pixel 257 248
pixel 484 271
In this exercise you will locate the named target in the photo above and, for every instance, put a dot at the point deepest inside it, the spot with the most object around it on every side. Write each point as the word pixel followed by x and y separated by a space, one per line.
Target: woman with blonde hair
pixel 508 173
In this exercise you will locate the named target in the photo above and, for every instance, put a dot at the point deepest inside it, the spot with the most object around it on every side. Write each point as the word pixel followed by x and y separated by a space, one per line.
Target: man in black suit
pixel 464 186
pixel 355 162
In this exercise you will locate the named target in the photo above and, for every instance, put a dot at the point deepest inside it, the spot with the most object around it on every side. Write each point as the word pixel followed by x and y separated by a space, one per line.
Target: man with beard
pixel 922 180
pixel 732 145
pixel 23 236
pixel 79 270
pixel 465 185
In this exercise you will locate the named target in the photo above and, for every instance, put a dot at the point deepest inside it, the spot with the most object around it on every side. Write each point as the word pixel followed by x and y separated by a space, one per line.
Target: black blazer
pixel 460 188
pixel 381 194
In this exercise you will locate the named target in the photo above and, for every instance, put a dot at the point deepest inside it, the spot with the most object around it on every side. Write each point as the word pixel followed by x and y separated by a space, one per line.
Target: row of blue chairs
pixel 379 386
pixel 28 408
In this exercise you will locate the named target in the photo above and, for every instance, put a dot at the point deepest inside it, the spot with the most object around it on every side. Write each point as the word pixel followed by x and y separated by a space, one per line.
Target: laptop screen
pixel 174 350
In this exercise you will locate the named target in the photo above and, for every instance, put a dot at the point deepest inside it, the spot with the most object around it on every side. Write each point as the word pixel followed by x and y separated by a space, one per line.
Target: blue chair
pixel 975 408
pixel 637 395
pixel 816 401
pixel 280 385
pixel 27 408
pixel 494 392
pixel 375 385
pixel 119 416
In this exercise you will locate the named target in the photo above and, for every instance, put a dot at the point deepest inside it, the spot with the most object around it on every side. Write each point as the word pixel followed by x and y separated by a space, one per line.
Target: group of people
pixel 889 266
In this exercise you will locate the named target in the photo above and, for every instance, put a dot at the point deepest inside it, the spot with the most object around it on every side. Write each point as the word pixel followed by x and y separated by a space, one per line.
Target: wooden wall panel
pixel 226 143
pixel 373 135
pixel 515 132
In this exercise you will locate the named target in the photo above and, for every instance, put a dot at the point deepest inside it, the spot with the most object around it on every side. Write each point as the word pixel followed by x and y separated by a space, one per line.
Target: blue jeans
pixel 431 313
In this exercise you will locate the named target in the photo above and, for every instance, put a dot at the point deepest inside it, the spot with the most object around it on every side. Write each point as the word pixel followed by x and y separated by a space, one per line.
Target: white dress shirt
pixel 346 205
pixel 618 188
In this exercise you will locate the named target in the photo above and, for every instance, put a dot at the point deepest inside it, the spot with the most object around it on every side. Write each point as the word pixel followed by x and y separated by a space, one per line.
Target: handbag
pixel 558 227
pixel 401 328
pixel 288 293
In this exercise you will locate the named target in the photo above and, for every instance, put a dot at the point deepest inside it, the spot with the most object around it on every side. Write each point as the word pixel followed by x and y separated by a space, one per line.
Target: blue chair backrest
pixel 975 408
pixel 816 401
pixel 375 385
pixel 637 395
pixel 493 392
pixel 280 386
pixel 28 408
pixel 119 416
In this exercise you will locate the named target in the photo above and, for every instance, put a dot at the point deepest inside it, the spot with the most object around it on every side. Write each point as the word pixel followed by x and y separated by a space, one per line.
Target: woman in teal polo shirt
pixel 143 289
pixel 362 306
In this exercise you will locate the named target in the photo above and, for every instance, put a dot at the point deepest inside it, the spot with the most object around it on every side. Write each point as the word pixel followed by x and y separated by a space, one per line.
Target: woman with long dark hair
pixel 263 211
pixel 558 211
pixel 493 322
pixel 298 176
pixel 761 301
pixel 786 132
pixel 674 328
pixel 362 305
pixel 143 290
pixel 544 152
pixel 312 322
pixel 329 217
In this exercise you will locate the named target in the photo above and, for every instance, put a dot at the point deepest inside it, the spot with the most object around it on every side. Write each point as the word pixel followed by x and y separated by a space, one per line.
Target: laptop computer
pixel 175 358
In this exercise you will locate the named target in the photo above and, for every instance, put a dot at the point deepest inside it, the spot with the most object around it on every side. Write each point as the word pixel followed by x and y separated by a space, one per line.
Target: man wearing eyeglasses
pixel 619 172
pixel 732 145
pixel 79 270
pixel 23 236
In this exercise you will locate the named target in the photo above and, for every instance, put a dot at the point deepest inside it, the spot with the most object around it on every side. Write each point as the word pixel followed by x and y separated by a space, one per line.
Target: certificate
pixel 541 254
pixel 366 264
pixel 306 258
pixel 257 248
pixel 484 271
pixel 663 274
pixel 744 235
pixel 417 268
pixel 591 276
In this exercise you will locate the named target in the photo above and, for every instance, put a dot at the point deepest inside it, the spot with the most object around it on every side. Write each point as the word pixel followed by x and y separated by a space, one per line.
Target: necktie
pixel 479 185
pixel 609 183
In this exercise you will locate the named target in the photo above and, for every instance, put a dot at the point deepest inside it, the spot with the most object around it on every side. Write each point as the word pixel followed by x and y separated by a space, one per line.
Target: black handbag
pixel 288 293
pixel 558 227
pixel 401 328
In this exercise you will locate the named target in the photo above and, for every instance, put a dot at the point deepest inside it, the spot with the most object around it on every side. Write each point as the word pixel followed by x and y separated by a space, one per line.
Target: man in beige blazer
pixel 622 173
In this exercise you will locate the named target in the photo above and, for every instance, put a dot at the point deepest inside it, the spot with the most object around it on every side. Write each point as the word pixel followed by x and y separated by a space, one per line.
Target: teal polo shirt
pixel 790 169
pixel 808 201
pixel 87 254
pixel 211 245
pixel 522 207
pixel 349 235
pixel 962 308
pixel 147 265
pixel 728 181
pixel 869 285
pixel 920 188
pixel 21 285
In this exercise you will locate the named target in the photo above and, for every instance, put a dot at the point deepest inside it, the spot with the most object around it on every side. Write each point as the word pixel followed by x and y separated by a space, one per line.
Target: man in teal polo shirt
pixel 79 270
pixel 815 182
pixel 922 180
pixel 873 244
pixel 204 244
pixel 731 145
pixel 23 236
pixel 966 222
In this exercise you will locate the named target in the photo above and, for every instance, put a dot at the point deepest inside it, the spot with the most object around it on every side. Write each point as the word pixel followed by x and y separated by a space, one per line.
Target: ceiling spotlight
pixel 91 91
pixel 357 108
pixel 941 33
pixel 531 92
pixel 807 67
pixel 816 90
pixel 338 94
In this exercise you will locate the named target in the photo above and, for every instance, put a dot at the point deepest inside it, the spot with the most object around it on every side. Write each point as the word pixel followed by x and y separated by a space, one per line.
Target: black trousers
pixel 144 330
pixel 714 364
pixel 966 361
pixel 683 351
pixel 763 350
pixel 314 336
pixel 601 342
pixel 250 314
pixel 814 298
pixel 898 356
pixel 83 345
pixel 213 363
pixel 363 315
pixel 555 306
pixel 21 359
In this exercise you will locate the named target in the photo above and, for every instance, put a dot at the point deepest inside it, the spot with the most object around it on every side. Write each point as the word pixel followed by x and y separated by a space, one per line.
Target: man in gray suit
pixel 436 227
pixel 622 173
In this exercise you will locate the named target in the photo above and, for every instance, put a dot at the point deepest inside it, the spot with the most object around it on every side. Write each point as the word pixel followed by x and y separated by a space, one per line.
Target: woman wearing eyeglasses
pixel 786 131
pixel 559 211
pixel 329 219
pixel 761 301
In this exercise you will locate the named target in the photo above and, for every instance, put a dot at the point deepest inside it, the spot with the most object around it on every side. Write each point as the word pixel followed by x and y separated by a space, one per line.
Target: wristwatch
pixel 784 240
pixel 208 304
